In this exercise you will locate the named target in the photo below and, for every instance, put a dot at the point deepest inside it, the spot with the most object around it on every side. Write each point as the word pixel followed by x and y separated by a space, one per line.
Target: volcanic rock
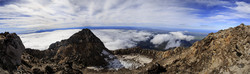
pixel 73 55
pixel 227 51
pixel 83 48
pixel 11 49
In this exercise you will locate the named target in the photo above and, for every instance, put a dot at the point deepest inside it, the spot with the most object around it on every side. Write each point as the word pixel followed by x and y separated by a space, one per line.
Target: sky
pixel 33 15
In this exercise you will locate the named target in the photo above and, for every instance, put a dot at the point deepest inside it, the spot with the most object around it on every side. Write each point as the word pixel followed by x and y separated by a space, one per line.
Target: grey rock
pixel 11 49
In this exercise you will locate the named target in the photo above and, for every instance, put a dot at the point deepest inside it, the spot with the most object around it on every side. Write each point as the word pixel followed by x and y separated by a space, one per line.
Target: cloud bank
pixel 112 38
pixel 42 40
pixel 118 39
pixel 173 39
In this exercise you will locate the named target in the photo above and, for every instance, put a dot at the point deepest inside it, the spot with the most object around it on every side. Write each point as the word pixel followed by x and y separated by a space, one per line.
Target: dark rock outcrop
pixel 11 49
pixel 154 68
pixel 82 47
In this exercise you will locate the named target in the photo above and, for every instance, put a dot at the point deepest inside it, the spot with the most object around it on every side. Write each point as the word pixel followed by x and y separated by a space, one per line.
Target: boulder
pixel 11 49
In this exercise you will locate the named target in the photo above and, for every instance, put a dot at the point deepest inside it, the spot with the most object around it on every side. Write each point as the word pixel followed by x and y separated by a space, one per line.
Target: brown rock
pixel 226 51
pixel 83 48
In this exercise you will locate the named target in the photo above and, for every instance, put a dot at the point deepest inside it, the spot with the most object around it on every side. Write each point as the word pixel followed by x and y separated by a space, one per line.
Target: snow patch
pixel 134 61
pixel 95 68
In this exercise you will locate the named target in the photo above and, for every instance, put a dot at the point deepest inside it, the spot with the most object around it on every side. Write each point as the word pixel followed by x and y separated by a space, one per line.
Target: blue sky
pixel 27 15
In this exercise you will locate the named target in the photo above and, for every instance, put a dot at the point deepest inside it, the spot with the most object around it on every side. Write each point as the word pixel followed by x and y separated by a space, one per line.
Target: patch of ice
pixel 143 59
pixel 104 52
pixel 130 64
pixel 123 61
pixel 134 61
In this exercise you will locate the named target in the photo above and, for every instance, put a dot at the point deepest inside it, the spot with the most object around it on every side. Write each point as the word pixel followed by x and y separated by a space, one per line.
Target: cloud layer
pixel 173 39
pixel 112 38
pixel 118 39
pixel 42 40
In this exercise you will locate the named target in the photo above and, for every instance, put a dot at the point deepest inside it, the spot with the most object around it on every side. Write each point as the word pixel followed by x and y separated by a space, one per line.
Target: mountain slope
pixel 11 49
pixel 227 51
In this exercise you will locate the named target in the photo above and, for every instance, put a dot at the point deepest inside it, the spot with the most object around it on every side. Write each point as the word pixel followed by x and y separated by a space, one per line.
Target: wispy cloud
pixel 211 2
pixel 237 13
pixel 45 14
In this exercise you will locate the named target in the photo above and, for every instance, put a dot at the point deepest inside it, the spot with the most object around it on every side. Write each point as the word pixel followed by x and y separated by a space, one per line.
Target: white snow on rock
pixel 123 61
pixel 134 61
pixel 95 68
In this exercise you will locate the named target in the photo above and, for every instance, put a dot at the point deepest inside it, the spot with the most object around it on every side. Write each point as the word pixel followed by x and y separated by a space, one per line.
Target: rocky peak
pixel 85 36
pixel 84 48
pixel 11 48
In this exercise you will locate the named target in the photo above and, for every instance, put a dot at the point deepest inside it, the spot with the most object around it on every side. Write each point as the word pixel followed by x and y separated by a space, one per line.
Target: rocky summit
pixel 82 47
pixel 227 51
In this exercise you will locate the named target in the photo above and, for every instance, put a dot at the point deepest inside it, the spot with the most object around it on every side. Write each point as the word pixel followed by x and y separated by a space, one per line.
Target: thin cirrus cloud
pixel 242 10
pixel 48 14
pixel 235 15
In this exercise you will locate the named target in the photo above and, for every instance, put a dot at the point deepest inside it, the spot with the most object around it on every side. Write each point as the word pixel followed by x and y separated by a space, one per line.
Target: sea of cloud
pixel 173 39
pixel 118 39
pixel 42 40
pixel 112 38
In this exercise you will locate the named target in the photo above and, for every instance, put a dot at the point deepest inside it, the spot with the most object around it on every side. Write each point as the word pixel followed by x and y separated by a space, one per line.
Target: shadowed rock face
pixel 82 47
pixel 11 49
